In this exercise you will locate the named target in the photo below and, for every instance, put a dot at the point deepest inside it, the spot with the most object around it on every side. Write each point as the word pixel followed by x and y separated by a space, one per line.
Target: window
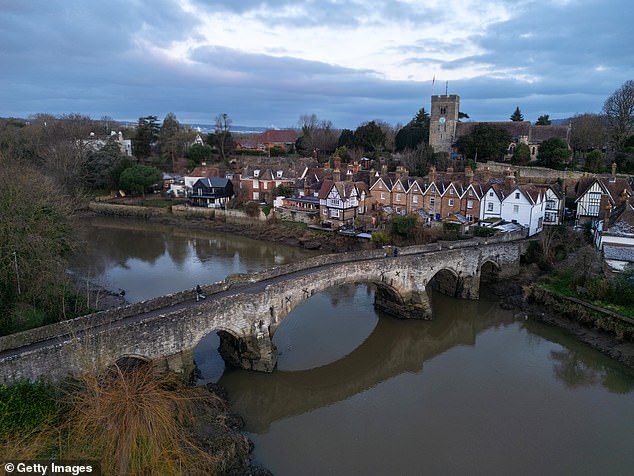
pixel 451 191
pixel 470 204
pixel 398 209
pixel 443 109
pixel 517 195
pixel 334 213
pixel 398 197
pixel 432 201
pixel 382 195
pixel 325 211
pixel 491 193
pixel 516 209
pixel 414 199
pixel 489 207
pixel 470 193
pixel 594 202
pixel 451 202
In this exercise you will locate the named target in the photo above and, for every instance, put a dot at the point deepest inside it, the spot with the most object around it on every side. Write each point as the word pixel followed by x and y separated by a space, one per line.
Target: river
pixel 475 391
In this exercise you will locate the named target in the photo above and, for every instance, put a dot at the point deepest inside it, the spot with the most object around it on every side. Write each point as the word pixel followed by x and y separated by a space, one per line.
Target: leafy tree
pixel 521 155
pixel 462 115
pixel 369 137
pixel 588 132
pixel 118 168
pixel 543 120
pixel 346 138
pixel 403 226
pixel 342 153
pixel 487 140
pixel 283 190
pixel 619 110
pixel 199 153
pixel 414 133
pixel 139 178
pixel 554 153
pixel 99 165
pixel 595 162
pixel 517 115
pixel 147 133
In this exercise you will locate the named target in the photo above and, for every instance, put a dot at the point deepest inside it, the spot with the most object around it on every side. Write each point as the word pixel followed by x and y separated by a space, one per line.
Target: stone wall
pixel 230 215
pixel 126 210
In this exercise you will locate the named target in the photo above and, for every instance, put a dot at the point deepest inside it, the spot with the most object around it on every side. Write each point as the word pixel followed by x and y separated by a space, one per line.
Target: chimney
pixel 337 163
pixel 624 196
pixel 509 178
pixel 349 173
pixel 468 173
pixel 336 175
pixel 432 174
pixel 487 174
pixel 383 170
pixel 356 167
pixel 613 169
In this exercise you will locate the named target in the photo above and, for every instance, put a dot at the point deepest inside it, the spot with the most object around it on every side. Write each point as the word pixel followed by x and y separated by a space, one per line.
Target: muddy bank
pixel 511 293
pixel 292 234
pixel 219 431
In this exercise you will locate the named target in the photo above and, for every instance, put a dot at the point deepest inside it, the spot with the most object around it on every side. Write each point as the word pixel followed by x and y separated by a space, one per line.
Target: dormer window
pixel 279 174
pixel 517 195
pixel 256 173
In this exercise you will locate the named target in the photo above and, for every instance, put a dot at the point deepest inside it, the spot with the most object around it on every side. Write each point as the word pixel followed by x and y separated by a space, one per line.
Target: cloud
pixel 348 61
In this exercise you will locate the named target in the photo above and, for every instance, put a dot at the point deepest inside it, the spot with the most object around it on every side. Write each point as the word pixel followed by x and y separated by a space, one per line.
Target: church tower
pixel 443 120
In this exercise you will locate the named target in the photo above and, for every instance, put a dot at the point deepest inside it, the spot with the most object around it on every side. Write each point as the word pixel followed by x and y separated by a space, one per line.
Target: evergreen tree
pixel 543 120
pixel 517 115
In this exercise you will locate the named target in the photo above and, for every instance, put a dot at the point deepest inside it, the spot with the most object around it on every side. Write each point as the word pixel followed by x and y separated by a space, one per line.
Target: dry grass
pixel 134 422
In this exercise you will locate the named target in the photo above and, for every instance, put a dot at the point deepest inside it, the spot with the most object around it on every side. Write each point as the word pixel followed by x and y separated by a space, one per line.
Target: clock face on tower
pixel 441 120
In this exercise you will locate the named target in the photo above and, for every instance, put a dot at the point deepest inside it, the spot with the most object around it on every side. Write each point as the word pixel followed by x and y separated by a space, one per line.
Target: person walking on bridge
pixel 199 293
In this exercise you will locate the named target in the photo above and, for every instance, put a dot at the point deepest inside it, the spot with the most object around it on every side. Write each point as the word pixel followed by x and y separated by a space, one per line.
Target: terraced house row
pixel 465 199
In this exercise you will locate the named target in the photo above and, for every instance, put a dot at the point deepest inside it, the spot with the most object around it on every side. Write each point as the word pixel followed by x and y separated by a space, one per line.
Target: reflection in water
pixel 576 366
pixel 471 392
pixel 148 260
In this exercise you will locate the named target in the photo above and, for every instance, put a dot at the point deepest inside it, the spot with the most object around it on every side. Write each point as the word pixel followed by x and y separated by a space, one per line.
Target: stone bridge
pixel 246 310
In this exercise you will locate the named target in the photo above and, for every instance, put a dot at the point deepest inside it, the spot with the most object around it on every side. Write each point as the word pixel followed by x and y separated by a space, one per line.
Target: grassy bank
pixel 136 421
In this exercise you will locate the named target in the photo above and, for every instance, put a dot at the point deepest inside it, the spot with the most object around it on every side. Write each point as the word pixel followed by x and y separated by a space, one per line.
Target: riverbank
pixel 513 295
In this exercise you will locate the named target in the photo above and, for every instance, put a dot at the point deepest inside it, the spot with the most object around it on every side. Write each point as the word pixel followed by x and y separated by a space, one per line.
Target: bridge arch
pixel 489 271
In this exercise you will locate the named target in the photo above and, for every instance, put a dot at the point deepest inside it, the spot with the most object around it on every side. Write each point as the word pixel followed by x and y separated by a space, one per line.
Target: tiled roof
pixel 274 136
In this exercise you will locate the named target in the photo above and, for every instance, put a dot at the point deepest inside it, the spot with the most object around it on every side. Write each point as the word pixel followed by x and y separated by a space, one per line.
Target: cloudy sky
pixel 266 63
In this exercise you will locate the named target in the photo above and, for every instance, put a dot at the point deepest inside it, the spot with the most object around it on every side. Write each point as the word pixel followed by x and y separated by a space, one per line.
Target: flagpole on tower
pixel 446 87
pixel 433 83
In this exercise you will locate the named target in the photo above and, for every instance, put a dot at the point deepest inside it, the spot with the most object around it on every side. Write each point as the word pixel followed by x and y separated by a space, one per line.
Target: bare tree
pixel 619 110
pixel 223 134
pixel 588 132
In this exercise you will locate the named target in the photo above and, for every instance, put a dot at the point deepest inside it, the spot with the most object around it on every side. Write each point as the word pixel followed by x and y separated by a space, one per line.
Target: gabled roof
pixel 278 136
pixel 613 187
pixel 326 185
pixel 213 182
